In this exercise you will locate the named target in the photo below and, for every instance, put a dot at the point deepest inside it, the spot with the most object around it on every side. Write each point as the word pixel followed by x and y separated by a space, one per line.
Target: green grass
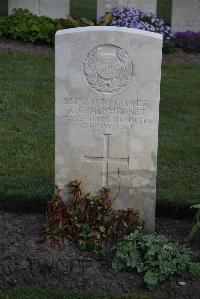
pixel 27 132
pixel 55 294
pixel 3 7
pixel 179 136
pixel 26 127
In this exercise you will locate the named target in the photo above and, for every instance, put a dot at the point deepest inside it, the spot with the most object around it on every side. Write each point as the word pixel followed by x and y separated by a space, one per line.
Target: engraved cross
pixel 106 159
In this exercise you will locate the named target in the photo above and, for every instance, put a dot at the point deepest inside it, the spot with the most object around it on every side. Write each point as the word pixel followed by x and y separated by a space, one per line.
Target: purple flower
pixel 189 41
pixel 134 18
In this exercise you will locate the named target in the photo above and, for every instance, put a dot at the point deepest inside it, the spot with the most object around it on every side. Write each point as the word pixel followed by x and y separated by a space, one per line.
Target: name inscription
pixel 106 114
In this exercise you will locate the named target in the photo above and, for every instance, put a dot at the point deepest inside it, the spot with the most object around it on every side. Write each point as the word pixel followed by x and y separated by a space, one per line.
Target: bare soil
pixel 181 57
pixel 26 263
pixel 15 46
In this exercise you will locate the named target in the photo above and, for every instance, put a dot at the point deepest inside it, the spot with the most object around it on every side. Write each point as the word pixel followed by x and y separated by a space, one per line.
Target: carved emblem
pixel 108 68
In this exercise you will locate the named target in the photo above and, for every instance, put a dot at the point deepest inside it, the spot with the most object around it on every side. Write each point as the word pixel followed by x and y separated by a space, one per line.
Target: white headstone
pixel 32 5
pixel 54 8
pixel 107 5
pixel 186 15
pixel 50 8
pixel 107 113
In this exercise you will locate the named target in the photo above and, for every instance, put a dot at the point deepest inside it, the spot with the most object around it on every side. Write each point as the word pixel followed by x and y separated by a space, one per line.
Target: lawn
pixel 179 136
pixel 26 127
pixel 27 132
pixel 55 294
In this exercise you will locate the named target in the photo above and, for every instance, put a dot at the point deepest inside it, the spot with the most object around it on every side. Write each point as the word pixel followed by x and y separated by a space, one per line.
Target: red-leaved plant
pixel 88 220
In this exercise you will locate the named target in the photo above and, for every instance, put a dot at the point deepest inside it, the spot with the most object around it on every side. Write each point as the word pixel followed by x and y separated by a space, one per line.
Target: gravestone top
pixel 109 28
pixel 186 15
pixel 107 113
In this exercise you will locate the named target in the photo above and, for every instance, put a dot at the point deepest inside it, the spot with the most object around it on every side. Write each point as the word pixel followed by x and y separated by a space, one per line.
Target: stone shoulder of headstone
pixel 107 113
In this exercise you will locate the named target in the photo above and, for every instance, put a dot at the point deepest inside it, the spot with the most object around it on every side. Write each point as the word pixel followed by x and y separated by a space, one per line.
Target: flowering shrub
pixel 188 41
pixel 134 18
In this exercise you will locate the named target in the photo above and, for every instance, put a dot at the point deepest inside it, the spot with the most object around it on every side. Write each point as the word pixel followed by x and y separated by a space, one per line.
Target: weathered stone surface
pixel 107 113
pixel 49 8
pixel 33 6
pixel 107 5
pixel 55 8
pixel 186 15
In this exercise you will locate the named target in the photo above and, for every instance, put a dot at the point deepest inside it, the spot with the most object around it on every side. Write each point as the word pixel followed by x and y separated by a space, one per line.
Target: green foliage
pixel 155 257
pixel 28 27
pixel 88 220
pixel 196 226
pixel 170 47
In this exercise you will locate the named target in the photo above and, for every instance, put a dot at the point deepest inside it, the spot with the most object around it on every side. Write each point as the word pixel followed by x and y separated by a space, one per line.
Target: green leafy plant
pixel 88 220
pixel 155 257
pixel 28 27
pixel 196 226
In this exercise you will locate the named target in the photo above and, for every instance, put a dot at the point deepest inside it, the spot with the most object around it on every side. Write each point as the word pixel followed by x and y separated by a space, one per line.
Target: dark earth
pixel 26 263
pixel 14 46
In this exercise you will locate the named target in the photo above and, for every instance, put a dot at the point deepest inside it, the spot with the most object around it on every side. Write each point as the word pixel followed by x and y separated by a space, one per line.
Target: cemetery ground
pixel 27 179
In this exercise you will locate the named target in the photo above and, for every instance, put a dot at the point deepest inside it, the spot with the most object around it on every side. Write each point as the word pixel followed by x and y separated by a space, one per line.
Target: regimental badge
pixel 108 68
